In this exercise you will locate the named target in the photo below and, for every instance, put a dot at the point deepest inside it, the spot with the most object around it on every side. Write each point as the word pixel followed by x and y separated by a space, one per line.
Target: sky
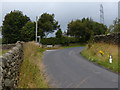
pixel 64 11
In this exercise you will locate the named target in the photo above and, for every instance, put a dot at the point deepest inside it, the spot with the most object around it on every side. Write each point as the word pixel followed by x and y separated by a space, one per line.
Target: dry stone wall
pixel 111 38
pixel 7 46
pixel 9 67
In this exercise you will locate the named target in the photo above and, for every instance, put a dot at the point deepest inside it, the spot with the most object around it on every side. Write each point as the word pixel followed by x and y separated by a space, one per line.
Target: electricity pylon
pixel 101 14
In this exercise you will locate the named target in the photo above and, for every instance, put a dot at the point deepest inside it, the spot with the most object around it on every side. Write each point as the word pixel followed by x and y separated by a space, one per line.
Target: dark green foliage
pixel 12 24
pixel 56 41
pixel 47 24
pixel 28 31
pixel 50 41
pixel 85 28
pixel 59 33
pixel 41 33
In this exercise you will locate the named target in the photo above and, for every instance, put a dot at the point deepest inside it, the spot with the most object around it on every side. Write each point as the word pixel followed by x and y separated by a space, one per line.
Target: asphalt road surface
pixel 66 68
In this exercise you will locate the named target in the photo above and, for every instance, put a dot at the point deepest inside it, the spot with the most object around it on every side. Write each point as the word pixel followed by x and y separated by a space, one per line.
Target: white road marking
pixel 50 50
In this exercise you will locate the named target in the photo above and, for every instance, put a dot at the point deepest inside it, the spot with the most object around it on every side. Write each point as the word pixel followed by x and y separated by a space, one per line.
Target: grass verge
pixel 100 54
pixel 31 72
pixel 3 51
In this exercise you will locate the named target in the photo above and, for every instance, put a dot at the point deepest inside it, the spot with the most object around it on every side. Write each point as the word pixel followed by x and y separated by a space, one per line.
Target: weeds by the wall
pixel 31 73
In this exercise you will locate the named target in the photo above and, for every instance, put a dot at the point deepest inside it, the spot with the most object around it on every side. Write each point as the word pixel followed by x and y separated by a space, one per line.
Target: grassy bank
pixel 31 73
pixel 100 54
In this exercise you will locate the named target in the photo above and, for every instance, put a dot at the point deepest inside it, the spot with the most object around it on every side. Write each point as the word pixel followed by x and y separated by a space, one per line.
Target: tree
pixel 41 33
pixel 85 29
pixel 59 33
pixel 47 24
pixel 78 29
pixel 28 31
pixel 12 24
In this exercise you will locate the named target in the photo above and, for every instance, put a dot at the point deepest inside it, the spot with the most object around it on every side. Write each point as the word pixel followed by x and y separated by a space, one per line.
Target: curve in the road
pixel 66 68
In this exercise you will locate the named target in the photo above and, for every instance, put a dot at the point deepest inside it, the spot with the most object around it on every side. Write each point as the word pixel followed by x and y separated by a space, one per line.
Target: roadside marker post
pixel 110 59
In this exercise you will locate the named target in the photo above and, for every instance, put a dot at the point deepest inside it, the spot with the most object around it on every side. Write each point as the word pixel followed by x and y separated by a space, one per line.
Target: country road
pixel 66 68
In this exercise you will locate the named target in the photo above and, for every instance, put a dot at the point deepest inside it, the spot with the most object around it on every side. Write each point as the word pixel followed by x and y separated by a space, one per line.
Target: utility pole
pixel 101 14
pixel 36 28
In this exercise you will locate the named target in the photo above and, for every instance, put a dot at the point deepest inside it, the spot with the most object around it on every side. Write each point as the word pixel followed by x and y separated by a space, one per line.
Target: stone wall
pixel 7 46
pixel 110 38
pixel 10 65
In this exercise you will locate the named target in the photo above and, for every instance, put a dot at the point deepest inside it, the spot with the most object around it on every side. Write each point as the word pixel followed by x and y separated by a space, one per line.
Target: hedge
pixel 59 41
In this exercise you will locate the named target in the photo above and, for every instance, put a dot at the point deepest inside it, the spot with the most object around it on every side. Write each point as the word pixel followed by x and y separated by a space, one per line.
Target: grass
pixel 3 51
pixel 31 71
pixel 100 53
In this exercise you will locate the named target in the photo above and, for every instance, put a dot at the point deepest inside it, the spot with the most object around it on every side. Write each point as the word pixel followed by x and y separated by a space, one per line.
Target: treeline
pixel 19 27
pixel 86 28
pixel 65 41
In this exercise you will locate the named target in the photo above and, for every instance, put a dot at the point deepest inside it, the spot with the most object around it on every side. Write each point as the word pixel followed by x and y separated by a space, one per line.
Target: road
pixel 66 68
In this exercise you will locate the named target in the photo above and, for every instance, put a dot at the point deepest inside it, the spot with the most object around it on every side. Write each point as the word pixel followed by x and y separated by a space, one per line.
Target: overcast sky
pixel 64 11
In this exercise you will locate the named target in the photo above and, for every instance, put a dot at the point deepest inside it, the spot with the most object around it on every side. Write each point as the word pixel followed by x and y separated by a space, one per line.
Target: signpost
pixel 36 30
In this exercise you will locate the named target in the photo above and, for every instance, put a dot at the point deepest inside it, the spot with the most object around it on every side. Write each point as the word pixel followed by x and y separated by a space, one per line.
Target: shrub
pixel 65 41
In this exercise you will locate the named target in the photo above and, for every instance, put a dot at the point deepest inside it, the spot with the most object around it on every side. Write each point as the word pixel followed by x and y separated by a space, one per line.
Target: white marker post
pixel 110 59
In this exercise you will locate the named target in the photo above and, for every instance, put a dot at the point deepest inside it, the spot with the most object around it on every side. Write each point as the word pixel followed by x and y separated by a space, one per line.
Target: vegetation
pixel 59 33
pixel 18 27
pixel 31 72
pixel 12 24
pixel 100 54
pixel 3 51
pixel 63 41
pixel 47 24
pixel 28 31
pixel 85 28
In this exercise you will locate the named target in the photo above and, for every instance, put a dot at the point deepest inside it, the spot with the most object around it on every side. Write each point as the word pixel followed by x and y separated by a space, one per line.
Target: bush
pixel 65 41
